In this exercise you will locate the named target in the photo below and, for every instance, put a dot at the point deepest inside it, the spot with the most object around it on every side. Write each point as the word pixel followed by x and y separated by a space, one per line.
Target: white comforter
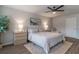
pixel 46 39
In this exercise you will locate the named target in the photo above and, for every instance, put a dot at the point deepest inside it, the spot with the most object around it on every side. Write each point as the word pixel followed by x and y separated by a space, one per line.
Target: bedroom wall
pixel 60 24
pixel 0 10
pixel 49 23
pixel 14 15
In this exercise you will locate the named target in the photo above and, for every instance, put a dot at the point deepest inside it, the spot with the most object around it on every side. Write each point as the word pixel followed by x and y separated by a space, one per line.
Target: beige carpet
pixel 58 49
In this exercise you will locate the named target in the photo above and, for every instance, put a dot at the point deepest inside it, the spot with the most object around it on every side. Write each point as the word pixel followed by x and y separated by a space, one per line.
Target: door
pixel 71 27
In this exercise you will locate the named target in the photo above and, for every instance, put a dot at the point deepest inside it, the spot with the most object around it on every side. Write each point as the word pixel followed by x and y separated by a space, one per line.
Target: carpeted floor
pixel 20 49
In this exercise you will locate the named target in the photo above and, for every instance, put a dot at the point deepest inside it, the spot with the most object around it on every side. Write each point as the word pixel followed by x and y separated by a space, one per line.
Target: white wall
pixel 48 21
pixel 60 24
pixel 7 37
pixel 0 9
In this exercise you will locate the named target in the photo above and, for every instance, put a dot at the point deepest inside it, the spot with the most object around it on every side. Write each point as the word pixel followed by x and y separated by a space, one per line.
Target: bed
pixel 46 40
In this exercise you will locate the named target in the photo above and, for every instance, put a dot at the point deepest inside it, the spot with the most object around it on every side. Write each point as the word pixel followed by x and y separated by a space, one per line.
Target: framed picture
pixel 34 21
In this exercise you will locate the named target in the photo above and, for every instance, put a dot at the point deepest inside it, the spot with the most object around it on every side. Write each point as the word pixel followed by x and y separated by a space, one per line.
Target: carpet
pixel 58 49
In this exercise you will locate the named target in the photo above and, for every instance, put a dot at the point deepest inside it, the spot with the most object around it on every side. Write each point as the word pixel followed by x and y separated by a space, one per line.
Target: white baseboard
pixel 72 37
pixel 8 43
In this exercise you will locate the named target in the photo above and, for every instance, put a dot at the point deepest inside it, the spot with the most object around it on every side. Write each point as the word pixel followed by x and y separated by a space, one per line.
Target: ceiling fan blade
pixel 59 10
pixel 59 7
pixel 50 8
pixel 54 11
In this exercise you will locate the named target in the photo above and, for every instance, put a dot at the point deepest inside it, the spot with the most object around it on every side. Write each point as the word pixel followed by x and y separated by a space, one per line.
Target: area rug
pixel 58 49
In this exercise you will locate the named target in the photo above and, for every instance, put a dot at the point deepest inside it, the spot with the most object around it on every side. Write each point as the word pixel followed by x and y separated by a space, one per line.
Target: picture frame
pixel 34 21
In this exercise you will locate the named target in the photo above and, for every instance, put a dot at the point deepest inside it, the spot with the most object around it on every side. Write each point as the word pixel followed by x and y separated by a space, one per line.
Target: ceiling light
pixel 54 12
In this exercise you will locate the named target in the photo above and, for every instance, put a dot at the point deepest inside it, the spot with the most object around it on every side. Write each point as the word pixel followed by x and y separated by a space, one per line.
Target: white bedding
pixel 46 39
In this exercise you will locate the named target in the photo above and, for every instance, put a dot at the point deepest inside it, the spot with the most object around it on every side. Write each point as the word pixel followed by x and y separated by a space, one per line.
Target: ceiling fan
pixel 55 9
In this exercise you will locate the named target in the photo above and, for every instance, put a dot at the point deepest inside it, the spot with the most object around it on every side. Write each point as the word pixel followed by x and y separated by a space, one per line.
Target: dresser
pixel 20 38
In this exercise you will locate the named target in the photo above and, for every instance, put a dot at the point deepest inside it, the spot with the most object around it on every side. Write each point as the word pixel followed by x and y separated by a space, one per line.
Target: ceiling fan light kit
pixel 54 12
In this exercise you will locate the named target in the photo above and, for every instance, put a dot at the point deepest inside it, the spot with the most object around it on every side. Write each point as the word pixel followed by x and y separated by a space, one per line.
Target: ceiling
pixel 40 9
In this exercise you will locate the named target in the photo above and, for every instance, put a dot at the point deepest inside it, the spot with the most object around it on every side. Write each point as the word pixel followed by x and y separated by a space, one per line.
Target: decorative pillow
pixel 33 30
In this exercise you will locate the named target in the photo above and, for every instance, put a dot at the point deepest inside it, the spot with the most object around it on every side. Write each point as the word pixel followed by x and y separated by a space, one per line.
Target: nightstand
pixel 20 38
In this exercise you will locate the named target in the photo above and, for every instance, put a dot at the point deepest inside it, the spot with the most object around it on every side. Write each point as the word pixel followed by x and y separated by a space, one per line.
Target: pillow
pixel 33 30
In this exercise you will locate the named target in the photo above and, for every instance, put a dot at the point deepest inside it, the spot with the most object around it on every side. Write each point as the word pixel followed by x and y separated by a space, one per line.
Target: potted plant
pixel 4 24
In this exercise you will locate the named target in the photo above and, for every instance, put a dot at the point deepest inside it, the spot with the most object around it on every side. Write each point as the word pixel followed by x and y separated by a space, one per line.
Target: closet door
pixel 71 27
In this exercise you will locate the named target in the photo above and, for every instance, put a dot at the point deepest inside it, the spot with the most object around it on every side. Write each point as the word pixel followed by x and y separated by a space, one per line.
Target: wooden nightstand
pixel 20 38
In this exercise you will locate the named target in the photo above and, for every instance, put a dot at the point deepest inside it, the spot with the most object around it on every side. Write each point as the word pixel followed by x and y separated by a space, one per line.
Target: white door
pixel 70 27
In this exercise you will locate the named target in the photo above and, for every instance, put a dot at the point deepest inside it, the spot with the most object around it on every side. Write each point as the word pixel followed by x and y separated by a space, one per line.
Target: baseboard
pixel 9 43
pixel 72 37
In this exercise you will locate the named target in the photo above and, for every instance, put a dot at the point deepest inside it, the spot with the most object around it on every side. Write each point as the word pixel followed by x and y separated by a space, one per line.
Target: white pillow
pixel 33 30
